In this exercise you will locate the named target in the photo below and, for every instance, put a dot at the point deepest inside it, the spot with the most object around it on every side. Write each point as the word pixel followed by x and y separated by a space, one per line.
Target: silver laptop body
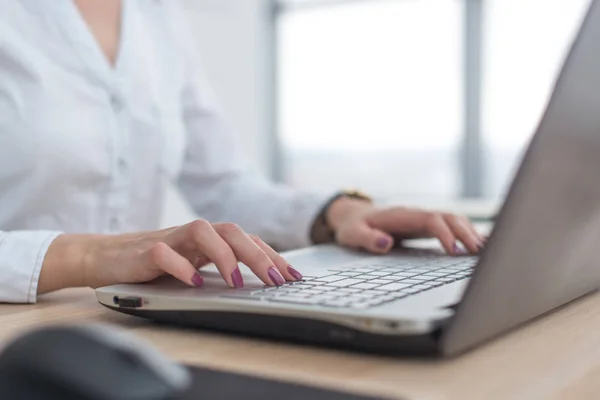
pixel 541 255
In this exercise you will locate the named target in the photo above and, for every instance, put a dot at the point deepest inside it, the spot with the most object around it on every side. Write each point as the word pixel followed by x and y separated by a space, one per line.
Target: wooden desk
pixel 556 357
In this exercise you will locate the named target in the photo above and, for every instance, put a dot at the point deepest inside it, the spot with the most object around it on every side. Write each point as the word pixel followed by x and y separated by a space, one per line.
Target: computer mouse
pixel 93 362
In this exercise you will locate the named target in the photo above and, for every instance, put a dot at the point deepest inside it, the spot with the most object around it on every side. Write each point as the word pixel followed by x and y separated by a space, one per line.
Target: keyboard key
pixel 330 294
pixel 349 273
pixel 267 288
pixel 395 286
pixel 345 282
pixel 365 285
pixel 423 270
pixel 363 295
pixel 379 273
pixel 417 278
pixel 423 287
pixel 364 269
pixel 415 281
pixel 436 273
pixel 389 278
pixel 406 273
pixel 324 289
pixel 347 290
pixel 306 285
pixel 390 270
pixel 289 288
pixel 375 292
pixel 311 291
pixel 433 276
pixel 447 279
pixel 328 279
pixel 380 281
pixel 446 270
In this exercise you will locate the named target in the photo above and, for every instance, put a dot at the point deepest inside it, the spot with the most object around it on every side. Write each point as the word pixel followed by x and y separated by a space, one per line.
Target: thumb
pixel 363 236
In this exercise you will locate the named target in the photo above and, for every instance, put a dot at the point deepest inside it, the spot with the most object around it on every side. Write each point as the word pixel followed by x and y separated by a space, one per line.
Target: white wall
pixel 230 38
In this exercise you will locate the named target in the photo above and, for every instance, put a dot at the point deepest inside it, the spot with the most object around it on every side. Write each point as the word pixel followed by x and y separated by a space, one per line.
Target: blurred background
pixel 419 101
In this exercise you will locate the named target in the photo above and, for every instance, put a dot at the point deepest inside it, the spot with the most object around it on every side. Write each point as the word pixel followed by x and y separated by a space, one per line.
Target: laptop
pixel 542 254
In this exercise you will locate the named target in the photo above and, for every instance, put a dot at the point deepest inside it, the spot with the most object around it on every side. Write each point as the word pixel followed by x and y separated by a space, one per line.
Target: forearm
pixel 65 263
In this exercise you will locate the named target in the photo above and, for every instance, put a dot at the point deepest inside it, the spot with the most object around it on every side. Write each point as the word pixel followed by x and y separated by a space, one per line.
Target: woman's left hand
pixel 359 224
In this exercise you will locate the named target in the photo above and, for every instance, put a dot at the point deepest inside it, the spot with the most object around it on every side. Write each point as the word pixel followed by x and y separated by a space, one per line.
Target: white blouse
pixel 88 147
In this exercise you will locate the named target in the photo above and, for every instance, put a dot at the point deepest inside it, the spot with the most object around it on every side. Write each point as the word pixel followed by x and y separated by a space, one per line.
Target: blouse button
pixel 116 103
pixel 122 165
pixel 114 224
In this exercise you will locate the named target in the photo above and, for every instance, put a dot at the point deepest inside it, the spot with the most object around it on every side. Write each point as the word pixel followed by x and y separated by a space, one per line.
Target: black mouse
pixel 93 362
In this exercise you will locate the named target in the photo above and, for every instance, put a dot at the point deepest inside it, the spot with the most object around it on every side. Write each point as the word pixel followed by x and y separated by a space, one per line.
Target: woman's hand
pixel 98 260
pixel 361 225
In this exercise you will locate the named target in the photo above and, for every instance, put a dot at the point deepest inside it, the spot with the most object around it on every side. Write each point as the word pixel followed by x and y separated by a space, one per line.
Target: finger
pixel 480 238
pixel 250 254
pixel 169 261
pixel 438 228
pixel 363 236
pixel 405 222
pixel 289 273
pixel 201 234
pixel 462 232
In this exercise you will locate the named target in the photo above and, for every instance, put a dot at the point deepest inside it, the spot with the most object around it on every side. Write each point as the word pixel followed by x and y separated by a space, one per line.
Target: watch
pixel 321 231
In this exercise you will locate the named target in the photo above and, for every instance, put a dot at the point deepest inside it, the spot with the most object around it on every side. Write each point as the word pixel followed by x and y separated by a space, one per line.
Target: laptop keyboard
pixel 367 284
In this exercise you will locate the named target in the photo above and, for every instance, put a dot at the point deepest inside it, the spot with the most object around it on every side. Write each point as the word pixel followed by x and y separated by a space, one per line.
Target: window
pixel 370 95
pixel 525 44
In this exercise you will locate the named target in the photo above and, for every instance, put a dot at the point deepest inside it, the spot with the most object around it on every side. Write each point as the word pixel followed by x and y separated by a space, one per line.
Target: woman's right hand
pixel 102 260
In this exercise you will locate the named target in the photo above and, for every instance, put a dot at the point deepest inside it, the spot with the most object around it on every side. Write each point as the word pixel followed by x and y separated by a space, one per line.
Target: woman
pixel 102 104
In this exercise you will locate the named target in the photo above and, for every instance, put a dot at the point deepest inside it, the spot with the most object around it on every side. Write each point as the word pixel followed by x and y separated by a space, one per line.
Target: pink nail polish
pixel 197 280
pixel 236 277
pixel 458 251
pixel 297 275
pixel 276 277
pixel 382 243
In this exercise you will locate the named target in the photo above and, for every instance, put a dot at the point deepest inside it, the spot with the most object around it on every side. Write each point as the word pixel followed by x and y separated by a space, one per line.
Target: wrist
pixel 334 212
pixel 343 208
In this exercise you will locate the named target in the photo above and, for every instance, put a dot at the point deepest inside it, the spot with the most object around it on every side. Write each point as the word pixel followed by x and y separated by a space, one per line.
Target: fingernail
pixel 382 243
pixel 236 277
pixel 197 279
pixel 294 273
pixel 457 250
pixel 276 276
